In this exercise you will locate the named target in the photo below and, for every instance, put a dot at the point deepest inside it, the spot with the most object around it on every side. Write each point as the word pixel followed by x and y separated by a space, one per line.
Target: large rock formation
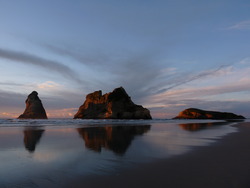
pixel 113 105
pixel 34 108
pixel 194 113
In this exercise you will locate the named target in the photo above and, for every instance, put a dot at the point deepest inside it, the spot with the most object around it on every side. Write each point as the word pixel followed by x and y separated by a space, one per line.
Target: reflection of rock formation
pixel 113 105
pixel 34 108
pixel 193 113
pixel 199 126
pixel 31 138
pixel 115 138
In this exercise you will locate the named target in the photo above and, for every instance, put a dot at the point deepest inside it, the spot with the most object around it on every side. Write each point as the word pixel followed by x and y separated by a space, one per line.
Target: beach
pixel 121 153
pixel 224 164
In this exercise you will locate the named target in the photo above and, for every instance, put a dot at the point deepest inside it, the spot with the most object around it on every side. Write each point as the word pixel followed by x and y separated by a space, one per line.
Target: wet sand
pixel 224 164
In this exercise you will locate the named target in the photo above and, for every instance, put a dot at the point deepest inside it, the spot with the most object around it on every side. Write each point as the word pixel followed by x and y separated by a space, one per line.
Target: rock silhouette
pixel 194 113
pixel 31 138
pixel 34 108
pixel 113 105
pixel 114 138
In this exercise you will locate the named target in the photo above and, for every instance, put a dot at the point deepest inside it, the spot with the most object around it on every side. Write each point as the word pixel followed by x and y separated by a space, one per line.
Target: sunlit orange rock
pixel 194 113
pixel 34 108
pixel 113 105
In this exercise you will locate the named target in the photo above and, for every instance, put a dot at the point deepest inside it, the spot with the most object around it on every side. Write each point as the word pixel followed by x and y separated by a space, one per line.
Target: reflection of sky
pixel 171 140
pixel 61 153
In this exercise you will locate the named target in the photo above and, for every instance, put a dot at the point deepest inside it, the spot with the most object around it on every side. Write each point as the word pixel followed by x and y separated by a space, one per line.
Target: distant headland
pixel 194 113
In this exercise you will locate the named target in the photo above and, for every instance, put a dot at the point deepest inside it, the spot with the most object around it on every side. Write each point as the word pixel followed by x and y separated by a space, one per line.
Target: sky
pixel 168 55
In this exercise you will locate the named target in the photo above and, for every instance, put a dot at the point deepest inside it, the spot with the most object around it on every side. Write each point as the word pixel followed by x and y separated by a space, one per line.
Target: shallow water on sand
pixel 48 153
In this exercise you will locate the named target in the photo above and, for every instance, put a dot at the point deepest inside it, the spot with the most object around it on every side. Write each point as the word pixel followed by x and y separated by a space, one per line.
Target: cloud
pixel 8 115
pixel 62 113
pixel 10 84
pixel 50 65
pixel 120 68
pixel 95 58
pixel 142 74
pixel 11 99
pixel 48 85
pixel 245 61
pixel 184 78
pixel 222 82
pixel 207 91
pixel 243 25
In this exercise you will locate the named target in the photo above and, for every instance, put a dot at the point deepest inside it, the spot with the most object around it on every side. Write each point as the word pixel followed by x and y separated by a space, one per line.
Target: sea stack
pixel 34 108
pixel 194 113
pixel 113 105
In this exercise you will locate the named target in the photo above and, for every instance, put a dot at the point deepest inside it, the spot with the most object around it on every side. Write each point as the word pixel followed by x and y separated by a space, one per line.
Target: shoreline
pixel 225 163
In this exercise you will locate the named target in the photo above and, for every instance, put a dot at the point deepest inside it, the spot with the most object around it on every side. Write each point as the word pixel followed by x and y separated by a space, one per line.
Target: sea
pixel 50 153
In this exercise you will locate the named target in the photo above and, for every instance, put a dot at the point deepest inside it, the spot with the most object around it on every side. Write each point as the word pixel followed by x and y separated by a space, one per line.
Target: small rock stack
pixel 34 108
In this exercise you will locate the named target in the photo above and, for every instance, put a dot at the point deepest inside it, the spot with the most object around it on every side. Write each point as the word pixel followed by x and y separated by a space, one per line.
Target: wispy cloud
pixel 128 69
pixel 62 113
pixel 141 74
pixel 50 65
pixel 48 85
pixel 10 84
pixel 182 80
pixel 11 99
pixel 95 58
pixel 201 92
pixel 243 25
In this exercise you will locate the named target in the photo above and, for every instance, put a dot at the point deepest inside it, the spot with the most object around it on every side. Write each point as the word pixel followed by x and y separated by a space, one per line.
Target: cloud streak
pixel 50 65
pixel 94 59
pixel 121 68
pixel 243 25
pixel 142 74
pixel 189 78
pixel 11 99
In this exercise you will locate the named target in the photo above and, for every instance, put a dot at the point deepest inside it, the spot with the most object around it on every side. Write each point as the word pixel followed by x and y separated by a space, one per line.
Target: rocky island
pixel 34 108
pixel 113 105
pixel 194 113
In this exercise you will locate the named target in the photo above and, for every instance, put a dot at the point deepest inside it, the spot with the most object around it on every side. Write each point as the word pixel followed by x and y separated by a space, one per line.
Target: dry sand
pixel 224 164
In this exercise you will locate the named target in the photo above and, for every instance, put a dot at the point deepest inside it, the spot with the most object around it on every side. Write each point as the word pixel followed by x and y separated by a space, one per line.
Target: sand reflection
pixel 200 126
pixel 114 138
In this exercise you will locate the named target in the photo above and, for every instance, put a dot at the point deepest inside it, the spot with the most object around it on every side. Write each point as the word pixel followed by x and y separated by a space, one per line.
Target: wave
pixel 87 122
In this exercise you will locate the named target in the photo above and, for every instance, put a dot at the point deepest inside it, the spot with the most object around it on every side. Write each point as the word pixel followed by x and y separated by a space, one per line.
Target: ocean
pixel 48 153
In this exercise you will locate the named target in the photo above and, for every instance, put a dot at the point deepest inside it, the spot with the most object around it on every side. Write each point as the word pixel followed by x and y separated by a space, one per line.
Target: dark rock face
pixel 193 113
pixel 113 105
pixel 34 108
